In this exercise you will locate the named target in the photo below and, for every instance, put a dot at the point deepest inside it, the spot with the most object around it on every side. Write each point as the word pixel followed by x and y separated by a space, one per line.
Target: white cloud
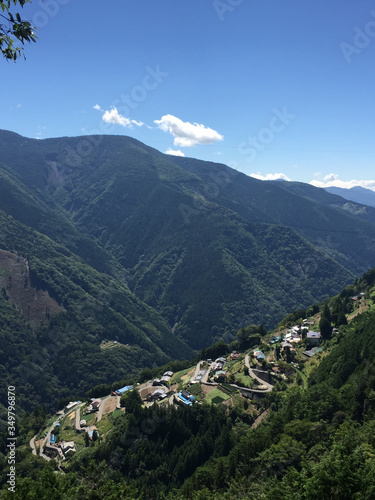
pixel 113 116
pixel 334 180
pixel 330 178
pixel 97 107
pixel 188 134
pixel 174 152
pixel 270 177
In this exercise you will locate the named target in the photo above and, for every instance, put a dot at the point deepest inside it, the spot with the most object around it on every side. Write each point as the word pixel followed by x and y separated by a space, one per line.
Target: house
pixel 295 339
pixel 286 344
pixel 185 398
pixel 220 376
pixel 234 355
pixel 68 447
pixel 71 405
pixel 82 423
pixel 259 356
pixel 52 439
pixel 168 374
pixel 199 377
pixel 219 364
pixel 90 433
pixel 121 391
pixel 157 395
pixel 313 338
pixel 312 351
pixel 157 381
pixel 93 406
pixel 165 379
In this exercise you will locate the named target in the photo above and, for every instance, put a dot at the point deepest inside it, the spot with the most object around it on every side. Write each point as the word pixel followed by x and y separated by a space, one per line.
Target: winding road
pixel 258 379
pixel 32 445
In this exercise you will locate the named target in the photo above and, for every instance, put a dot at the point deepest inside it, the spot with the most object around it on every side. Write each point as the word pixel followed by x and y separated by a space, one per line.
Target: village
pixel 239 379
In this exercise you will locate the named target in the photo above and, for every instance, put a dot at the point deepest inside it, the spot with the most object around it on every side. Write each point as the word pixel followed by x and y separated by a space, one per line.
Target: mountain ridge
pixel 357 194
pixel 193 239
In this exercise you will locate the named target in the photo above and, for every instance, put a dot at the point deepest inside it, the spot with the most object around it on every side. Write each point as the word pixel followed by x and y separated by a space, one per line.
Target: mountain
pixel 210 249
pixel 310 438
pixel 115 257
pixel 56 312
pixel 358 194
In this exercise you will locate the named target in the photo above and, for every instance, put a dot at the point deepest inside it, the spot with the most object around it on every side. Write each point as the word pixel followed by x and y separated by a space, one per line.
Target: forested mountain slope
pixel 63 354
pixel 211 249
pixel 357 194
pixel 316 442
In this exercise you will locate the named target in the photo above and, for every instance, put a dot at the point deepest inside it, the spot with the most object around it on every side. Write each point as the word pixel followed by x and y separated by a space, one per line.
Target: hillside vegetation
pixel 209 248
pixel 314 441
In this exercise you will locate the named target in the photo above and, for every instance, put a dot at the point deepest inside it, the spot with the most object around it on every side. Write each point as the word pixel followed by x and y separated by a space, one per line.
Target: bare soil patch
pixel 111 404
pixel 36 305
pixel 207 388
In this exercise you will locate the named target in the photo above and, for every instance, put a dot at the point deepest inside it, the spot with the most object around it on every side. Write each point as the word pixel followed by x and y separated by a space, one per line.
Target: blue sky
pixel 271 88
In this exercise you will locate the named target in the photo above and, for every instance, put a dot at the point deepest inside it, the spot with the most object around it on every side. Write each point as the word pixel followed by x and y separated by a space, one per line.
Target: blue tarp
pixel 124 389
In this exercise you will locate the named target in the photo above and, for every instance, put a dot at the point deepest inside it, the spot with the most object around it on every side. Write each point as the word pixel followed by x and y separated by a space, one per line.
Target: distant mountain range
pixel 166 254
pixel 357 194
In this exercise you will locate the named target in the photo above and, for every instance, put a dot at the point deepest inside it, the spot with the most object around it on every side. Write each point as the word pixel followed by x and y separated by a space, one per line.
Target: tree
pixel 327 313
pixel 341 320
pixel 325 328
pixel 14 29
pixel 132 401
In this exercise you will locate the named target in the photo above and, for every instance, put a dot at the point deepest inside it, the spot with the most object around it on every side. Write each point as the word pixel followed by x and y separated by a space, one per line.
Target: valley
pixel 147 300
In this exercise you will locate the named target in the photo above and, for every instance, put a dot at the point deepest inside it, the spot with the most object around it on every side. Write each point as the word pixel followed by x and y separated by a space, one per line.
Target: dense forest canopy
pixel 315 443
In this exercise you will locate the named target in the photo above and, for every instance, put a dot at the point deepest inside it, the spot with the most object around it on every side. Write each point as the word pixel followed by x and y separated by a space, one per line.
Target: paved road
pixel 196 371
pixel 32 445
pixel 99 415
pixel 252 374
pixel 258 379
pixel 46 442
pixel 205 376
pixel 260 418
pixel 78 419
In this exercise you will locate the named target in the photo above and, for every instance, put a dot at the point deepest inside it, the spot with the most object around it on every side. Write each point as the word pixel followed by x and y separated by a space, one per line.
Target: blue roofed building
pixel 186 398
pixel 121 391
